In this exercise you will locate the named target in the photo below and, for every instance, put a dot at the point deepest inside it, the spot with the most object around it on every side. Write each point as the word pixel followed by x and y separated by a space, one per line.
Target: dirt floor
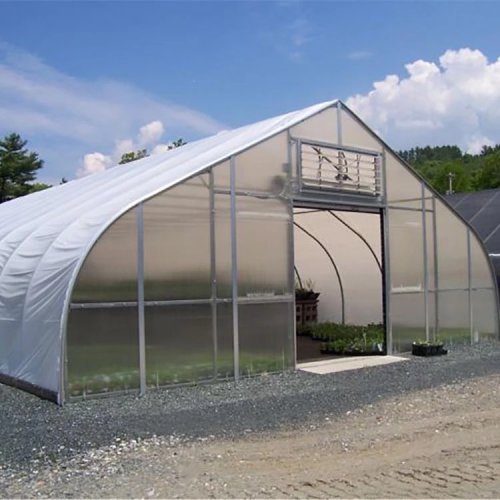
pixel 437 443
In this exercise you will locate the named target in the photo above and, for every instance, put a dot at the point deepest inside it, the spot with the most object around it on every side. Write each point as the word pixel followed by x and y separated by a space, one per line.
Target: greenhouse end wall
pixel 195 314
pixel 196 283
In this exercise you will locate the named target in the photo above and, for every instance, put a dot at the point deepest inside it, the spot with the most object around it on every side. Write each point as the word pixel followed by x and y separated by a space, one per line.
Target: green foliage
pixel 470 172
pixel 349 339
pixel 18 168
pixel 488 176
pixel 142 153
pixel 133 156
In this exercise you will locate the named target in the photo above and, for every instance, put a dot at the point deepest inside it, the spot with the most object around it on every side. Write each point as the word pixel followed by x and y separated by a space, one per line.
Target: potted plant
pixel 306 303
pixel 428 348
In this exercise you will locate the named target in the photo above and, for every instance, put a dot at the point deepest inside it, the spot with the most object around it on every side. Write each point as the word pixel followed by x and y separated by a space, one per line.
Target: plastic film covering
pixel 45 237
pixel 355 134
pixel 109 273
pixel 484 314
pixel 263 247
pixel 402 185
pixel 178 344
pixel 177 243
pixel 102 351
pixel 407 251
pixel 321 128
pixel 102 342
pixel 263 168
pixel 408 320
pixel 454 316
pixel 452 249
pixel 264 342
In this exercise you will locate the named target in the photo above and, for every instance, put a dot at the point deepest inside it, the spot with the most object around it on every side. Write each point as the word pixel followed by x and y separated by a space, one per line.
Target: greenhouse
pixel 210 262
pixel 481 209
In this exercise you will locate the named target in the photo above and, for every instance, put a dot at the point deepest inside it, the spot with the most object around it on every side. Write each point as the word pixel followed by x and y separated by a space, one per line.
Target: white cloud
pixel 54 110
pixel 94 163
pixel 150 133
pixel 455 101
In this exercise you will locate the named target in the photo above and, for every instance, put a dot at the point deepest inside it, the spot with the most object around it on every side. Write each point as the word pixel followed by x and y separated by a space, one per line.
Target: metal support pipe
pixel 426 265
pixel 140 299
pixel 299 279
pixel 360 236
pixel 387 261
pixel 292 352
pixel 339 122
pixel 333 264
pixel 436 268
pixel 234 270
pixel 469 285
pixel 213 272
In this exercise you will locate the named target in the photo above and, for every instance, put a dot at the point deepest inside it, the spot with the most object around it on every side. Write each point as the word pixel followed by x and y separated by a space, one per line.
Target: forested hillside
pixel 470 172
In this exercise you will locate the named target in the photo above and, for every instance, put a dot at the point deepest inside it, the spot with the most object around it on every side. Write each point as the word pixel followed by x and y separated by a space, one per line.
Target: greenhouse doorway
pixel 339 284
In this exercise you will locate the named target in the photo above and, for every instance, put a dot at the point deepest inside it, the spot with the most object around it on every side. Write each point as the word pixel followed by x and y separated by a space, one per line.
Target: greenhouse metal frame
pixel 180 267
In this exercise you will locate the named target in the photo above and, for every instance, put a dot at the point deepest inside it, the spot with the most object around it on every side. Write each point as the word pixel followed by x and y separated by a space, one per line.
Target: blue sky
pixel 84 77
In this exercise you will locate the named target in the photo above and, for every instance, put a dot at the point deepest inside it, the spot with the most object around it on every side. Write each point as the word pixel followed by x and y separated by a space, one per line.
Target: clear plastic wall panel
pixel 263 167
pixel 454 322
pixel 358 268
pixel 177 243
pixel 222 175
pixel 102 350
pixel 431 265
pixel 484 315
pixel 321 127
pixel 495 260
pixel 223 259
pixel 402 184
pixel 406 250
pixel 482 276
pixel 109 273
pixel 225 354
pixel 264 338
pixel 408 320
pixel 263 241
pixel 452 249
pixel 355 134
pixel 415 204
pixel 179 344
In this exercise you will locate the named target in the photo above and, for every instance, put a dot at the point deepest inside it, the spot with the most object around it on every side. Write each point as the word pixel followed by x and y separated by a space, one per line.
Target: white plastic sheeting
pixel 45 237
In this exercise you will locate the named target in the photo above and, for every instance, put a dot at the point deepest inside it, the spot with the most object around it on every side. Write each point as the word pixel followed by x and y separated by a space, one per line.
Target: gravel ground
pixel 36 433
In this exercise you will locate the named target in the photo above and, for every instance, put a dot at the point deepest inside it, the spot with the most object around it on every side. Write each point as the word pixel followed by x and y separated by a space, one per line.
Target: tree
pixel 18 167
pixel 488 177
pixel 142 153
pixel 132 156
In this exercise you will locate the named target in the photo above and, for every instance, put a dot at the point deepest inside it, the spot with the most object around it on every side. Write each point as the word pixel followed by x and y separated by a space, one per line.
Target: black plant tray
pixel 428 350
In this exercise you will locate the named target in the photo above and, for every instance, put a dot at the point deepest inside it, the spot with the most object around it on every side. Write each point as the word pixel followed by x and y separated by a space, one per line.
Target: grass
pixel 101 369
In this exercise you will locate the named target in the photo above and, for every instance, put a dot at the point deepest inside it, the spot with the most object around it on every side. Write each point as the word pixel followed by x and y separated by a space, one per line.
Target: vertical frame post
pixel 469 286
pixel 339 123
pixel 386 250
pixel 234 271
pixel 213 271
pixel 140 298
pixel 436 268
pixel 426 264
pixel 291 253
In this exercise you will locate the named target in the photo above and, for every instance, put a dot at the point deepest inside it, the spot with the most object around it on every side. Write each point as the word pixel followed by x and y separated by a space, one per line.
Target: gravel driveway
pixel 38 436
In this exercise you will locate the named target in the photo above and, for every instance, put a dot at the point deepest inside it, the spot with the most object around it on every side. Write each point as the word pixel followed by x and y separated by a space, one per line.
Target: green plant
pixel 430 343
